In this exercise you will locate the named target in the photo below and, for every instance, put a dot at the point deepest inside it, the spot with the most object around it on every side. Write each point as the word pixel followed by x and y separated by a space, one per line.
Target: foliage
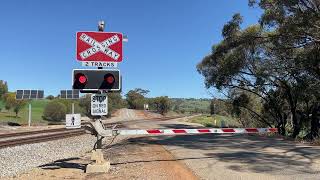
pixel 190 105
pixel 161 104
pixel 18 106
pixel 85 104
pixel 215 121
pixel 212 107
pixel 276 60
pixel 50 97
pixel 136 98
pixel 68 104
pixel 37 113
pixel 3 88
pixel 55 111
pixel 115 102
pixel 12 103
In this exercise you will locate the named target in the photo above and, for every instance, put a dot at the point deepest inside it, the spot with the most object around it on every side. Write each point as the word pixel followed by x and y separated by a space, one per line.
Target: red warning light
pixel 81 78
pixel 109 78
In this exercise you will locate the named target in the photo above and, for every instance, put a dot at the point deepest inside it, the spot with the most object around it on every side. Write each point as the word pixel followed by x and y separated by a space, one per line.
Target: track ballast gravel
pixel 19 159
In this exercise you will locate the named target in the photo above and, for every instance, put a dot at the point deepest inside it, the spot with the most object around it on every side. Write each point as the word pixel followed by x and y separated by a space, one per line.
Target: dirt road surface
pixel 213 156
pixel 208 156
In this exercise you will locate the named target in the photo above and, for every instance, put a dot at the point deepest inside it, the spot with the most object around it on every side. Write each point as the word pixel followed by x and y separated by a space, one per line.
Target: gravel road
pixel 212 156
pixel 208 156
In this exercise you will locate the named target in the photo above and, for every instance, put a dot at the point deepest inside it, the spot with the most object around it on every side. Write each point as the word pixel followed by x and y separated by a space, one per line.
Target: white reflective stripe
pixel 99 47
pixel 192 131
pixel 132 132
pixel 110 41
pixel 216 130
pixel 167 131
pixel 239 130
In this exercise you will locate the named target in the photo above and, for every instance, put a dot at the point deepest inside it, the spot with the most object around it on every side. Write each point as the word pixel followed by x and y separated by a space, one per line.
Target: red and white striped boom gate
pixel 192 131
pixel 100 129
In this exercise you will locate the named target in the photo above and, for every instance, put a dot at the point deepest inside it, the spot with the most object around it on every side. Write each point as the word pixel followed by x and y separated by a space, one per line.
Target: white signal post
pixel 72 108
pixel 99 54
pixel 29 120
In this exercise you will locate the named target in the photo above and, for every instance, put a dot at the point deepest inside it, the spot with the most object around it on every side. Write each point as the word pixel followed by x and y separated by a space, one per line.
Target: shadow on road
pixel 64 163
pixel 159 160
pixel 244 152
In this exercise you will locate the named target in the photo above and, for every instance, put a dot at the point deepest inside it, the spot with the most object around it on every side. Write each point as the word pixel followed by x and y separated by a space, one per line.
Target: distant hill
pixel 191 105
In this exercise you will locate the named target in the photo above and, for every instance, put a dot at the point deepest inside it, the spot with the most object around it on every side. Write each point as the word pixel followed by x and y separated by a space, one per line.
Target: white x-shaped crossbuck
pixel 99 46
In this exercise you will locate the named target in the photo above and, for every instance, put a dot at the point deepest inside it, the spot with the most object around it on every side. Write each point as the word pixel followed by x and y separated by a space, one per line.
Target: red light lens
pixel 110 79
pixel 82 79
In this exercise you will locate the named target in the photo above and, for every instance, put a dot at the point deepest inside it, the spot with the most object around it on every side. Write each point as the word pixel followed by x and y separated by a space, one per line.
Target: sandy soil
pixel 128 160
pixel 206 156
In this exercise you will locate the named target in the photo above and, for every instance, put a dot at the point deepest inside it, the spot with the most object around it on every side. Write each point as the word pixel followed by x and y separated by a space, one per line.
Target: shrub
pixel 54 111
pixel 50 97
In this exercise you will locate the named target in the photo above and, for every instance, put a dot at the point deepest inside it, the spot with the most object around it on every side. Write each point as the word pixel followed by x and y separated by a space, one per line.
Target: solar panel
pixel 63 94
pixel 26 94
pixel 40 94
pixel 76 94
pixel 69 94
pixel 29 94
pixel 19 94
pixel 34 94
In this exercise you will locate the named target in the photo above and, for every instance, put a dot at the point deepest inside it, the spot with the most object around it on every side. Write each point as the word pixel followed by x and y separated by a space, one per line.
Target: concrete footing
pixel 100 164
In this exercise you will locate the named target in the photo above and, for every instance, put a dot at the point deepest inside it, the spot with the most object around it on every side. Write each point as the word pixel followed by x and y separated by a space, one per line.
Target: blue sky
pixel 167 39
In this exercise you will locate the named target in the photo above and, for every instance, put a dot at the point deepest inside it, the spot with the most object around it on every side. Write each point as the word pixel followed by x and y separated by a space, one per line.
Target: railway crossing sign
pixel 99 46
pixel 73 121
pixel 99 104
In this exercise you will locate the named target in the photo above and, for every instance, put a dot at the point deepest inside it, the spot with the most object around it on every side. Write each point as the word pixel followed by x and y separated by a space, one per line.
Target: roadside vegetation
pixel 215 121
pixel 22 118
pixel 270 71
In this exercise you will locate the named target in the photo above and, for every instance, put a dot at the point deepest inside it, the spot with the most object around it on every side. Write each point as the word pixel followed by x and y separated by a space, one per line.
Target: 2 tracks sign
pixel 99 46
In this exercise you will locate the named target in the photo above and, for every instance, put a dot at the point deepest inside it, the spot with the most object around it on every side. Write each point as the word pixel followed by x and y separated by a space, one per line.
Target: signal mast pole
pixel 101 26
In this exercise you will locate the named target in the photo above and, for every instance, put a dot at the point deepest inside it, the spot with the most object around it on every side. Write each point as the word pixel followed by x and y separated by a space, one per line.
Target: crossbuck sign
pixel 99 46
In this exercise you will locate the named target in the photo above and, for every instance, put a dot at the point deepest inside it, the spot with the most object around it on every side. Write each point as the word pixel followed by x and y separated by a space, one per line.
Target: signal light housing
pixel 96 79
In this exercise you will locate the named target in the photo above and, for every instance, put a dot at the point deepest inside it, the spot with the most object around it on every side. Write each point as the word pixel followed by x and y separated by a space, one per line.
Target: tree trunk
pixel 282 126
pixel 295 123
pixel 281 129
pixel 315 122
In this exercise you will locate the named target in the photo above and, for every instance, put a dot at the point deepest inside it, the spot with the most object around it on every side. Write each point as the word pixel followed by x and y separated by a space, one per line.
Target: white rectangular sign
pixel 73 121
pixel 99 64
pixel 99 104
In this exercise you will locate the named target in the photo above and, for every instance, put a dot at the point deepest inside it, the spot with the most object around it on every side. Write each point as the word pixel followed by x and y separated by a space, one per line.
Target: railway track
pixel 20 138
pixel 29 137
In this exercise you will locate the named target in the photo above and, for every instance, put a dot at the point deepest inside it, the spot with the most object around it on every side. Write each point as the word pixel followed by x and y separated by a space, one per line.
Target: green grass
pixel 37 112
pixel 1 104
pixel 215 121
pixel 191 105
pixel 172 113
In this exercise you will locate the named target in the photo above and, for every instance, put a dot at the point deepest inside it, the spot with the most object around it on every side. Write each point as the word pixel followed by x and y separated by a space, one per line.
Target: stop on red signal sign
pixel 99 46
